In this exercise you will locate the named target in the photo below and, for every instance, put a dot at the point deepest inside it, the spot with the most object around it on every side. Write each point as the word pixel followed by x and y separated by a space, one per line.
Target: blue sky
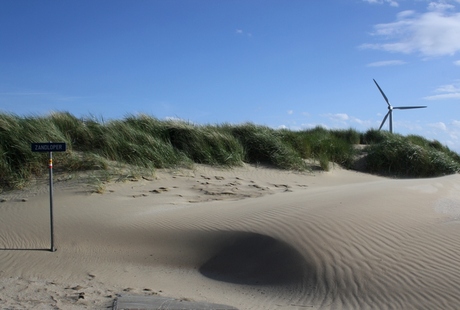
pixel 286 64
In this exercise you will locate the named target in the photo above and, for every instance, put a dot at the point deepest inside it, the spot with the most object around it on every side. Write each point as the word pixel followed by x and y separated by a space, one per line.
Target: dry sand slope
pixel 253 238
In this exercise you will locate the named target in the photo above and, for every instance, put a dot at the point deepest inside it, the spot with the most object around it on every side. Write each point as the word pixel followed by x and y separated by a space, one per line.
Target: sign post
pixel 50 147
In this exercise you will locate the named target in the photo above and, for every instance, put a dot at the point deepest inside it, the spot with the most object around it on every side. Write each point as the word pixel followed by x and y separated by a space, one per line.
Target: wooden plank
pixel 132 302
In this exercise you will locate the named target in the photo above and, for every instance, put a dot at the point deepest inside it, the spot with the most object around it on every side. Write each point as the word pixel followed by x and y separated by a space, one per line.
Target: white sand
pixel 252 238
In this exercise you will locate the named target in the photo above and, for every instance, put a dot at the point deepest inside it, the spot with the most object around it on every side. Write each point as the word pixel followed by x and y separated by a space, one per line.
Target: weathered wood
pixel 131 302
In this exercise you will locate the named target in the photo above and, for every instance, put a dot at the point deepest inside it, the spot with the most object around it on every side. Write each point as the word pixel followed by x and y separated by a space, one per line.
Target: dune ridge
pixel 249 237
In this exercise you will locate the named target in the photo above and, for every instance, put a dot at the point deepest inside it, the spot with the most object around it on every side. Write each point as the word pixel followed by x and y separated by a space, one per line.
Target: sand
pixel 249 237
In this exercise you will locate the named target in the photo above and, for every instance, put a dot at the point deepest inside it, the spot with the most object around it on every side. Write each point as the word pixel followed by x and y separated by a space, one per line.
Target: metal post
pixel 53 249
pixel 49 147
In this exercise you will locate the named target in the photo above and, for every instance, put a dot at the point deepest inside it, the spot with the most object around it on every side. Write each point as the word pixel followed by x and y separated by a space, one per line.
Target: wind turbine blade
pixel 383 94
pixel 384 119
pixel 413 107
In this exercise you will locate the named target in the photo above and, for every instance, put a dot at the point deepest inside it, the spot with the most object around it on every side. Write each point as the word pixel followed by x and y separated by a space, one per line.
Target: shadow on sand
pixel 255 259
pixel 24 249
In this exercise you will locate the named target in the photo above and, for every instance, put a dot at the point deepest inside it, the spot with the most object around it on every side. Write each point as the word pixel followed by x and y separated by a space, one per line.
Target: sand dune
pixel 252 238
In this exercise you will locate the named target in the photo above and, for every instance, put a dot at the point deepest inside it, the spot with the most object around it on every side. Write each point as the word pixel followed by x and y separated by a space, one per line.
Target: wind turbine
pixel 391 108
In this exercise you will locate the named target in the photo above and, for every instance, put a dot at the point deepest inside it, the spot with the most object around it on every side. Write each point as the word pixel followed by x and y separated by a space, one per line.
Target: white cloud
pixel 290 112
pixel 438 125
pixel 443 96
pixel 457 62
pixel 177 120
pixel 337 117
pixel 456 123
pixel 362 122
pixel 450 88
pixel 433 33
pixel 449 91
pixel 242 32
pixel 386 63
pixel 344 120
pixel 440 6
pixel 390 2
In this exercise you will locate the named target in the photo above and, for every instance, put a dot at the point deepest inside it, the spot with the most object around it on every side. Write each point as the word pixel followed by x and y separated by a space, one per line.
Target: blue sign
pixel 49 147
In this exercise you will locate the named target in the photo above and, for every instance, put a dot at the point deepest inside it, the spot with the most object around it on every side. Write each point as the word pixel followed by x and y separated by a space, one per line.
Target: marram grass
pixel 146 142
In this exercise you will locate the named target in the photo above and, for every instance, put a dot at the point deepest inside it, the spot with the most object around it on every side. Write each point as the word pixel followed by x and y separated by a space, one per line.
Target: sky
pixel 293 64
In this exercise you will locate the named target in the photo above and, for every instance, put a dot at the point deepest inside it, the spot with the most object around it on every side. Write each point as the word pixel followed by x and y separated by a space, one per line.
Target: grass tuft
pixel 410 157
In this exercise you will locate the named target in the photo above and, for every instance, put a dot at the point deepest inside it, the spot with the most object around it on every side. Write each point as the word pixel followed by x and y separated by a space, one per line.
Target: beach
pixel 250 237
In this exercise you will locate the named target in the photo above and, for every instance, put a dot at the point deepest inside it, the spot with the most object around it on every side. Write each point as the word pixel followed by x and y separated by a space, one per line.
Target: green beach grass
pixel 145 142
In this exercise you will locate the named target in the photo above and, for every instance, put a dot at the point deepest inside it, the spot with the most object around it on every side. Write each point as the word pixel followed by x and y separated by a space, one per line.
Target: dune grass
pixel 323 145
pixel 146 142
pixel 411 156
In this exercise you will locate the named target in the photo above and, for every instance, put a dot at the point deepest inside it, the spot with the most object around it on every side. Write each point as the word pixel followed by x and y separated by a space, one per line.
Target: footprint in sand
pixel 160 190
pixel 140 195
